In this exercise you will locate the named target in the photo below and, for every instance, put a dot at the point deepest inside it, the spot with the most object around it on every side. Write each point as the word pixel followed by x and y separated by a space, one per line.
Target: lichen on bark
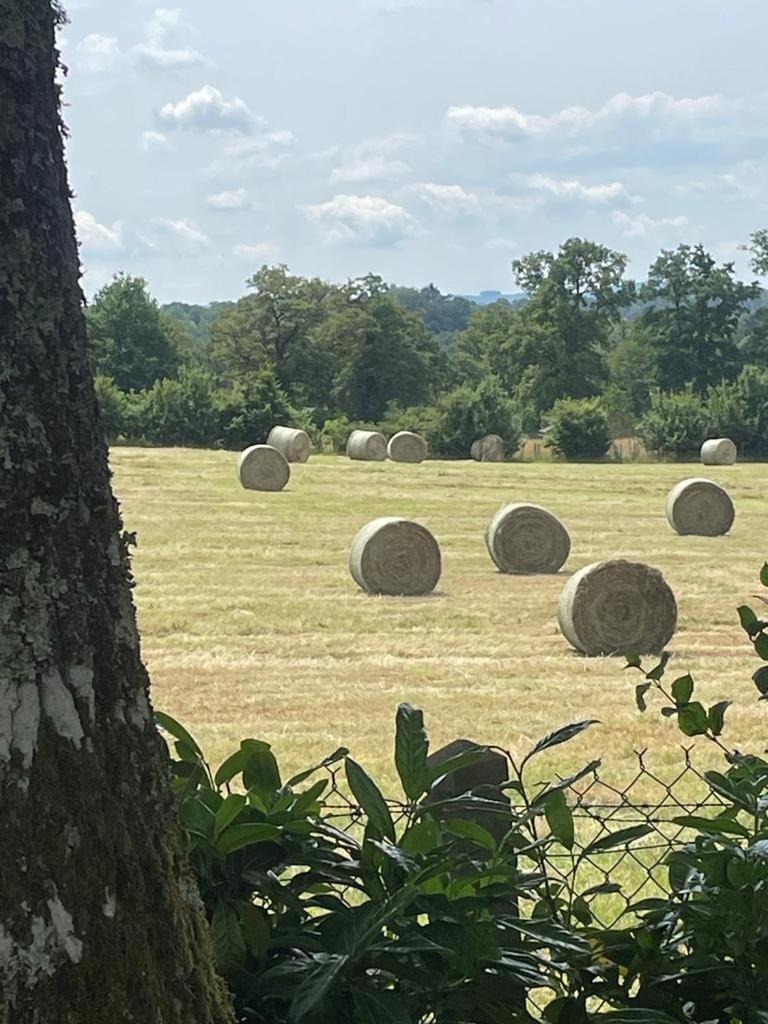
pixel 96 922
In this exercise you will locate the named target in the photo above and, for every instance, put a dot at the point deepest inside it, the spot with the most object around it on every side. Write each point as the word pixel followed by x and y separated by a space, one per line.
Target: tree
pixel 128 336
pixel 99 919
pixel 379 352
pixel 466 414
pixel 444 315
pixel 273 326
pixel 578 428
pixel 696 306
pixel 632 368
pixel 758 247
pixel 576 296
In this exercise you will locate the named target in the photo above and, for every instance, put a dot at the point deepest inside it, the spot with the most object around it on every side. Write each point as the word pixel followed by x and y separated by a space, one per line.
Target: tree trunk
pixel 100 922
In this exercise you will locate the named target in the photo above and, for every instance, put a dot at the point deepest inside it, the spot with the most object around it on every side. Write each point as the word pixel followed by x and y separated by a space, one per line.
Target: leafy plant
pixel 329 902
pixel 578 428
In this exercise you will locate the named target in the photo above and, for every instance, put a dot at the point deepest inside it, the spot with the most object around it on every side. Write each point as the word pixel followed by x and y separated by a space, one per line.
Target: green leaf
pixel 621 838
pixel 228 810
pixel 761 646
pixel 725 787
pixel 260 772
pixel 197 818
pixel 764 574
pixel 422 837
pixel 411 747
pixel 581 911
pixel 712 826
pixel 682 689
pixel 693 719
pixel 337 755
pixel 171 726
pixel 633 661
pixel 368 796
pixel 559 818
pixel 562 735
pixel 453 764
pixel 747 617
pixel 640 691
pixel 471 830
pixel 231 767
pixel 255 927
pixel 237 836
pixel 305 801
pixel 657 672
pixel 716 716
pixel 760 679
pixel 313 990
pixel 228 941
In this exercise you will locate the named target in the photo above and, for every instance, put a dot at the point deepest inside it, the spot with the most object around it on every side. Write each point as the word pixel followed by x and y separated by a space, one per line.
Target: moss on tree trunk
pixel 100 921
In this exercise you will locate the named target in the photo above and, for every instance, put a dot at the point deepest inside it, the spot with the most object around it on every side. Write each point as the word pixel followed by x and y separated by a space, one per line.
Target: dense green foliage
pixel 453 903
pixel 365 352
pixel 578 428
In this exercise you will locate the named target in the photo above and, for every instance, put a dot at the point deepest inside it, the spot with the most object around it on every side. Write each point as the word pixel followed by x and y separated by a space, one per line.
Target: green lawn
pixel 252 626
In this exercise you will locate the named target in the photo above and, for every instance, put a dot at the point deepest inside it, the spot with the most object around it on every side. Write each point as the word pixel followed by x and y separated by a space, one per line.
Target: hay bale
pixel 367 446
pixel 406 446
pixel 718 451
pixel 294 444
pixel 395 556
pixel 701 507
pixel 263 468
pixel 618 607
pixel 488 449
pixel 524 538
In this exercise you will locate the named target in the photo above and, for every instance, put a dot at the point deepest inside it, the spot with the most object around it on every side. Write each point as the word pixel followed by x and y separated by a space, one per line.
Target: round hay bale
pixel 618 607
pixel 294 444
pixel 524 538
pixel 263 468
pixel 701 507
pixel 395 556
pixel 718 451
pixel 367 446
pixel 406 446
pixel 488 449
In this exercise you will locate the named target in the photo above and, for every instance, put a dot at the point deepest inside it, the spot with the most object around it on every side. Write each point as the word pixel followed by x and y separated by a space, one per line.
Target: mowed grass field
pixel 252 625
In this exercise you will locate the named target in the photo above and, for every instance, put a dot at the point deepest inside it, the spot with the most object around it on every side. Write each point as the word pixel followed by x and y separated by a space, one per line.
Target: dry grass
pixel 252 625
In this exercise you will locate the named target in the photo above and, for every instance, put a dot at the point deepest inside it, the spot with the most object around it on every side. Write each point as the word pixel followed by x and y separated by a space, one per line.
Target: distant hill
pixel 488 297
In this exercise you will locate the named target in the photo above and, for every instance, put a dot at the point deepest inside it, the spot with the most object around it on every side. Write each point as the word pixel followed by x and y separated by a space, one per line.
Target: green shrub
pixel 179 410
pixel 578 428
pixel 467 413
pixel 739 409
pixel 675 423
pixel 113 406
pixel 404 911
pixel 248 410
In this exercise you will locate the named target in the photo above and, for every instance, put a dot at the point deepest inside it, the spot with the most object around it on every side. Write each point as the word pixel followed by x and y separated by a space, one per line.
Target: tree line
pixel 587 354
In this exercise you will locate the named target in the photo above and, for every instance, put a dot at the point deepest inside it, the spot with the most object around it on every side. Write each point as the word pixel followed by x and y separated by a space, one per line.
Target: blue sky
pixel 425 140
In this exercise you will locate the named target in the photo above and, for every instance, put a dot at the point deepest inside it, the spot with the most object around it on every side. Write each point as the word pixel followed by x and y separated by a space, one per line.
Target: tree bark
pixel 100 921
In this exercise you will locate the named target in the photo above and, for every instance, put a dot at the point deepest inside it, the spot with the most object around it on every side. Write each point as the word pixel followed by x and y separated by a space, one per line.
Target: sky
pixel 423 140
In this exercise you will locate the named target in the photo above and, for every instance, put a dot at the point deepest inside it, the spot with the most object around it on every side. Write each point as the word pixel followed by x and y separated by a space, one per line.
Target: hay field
pixel 252 626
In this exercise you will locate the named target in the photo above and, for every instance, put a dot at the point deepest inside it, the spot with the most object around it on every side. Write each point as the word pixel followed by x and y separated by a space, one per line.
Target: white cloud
pixel 365 220
pixel 642 225
pixel 576 191
pixel 501 243
pixel 97 53
pixel 263 251
pixel 99 239
pixel 185 234
pixel 153 141
pixel 206 110
pixel 235 200
pixel 154 52
pixel 446 200
pixel 372 168
pixel 654 109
